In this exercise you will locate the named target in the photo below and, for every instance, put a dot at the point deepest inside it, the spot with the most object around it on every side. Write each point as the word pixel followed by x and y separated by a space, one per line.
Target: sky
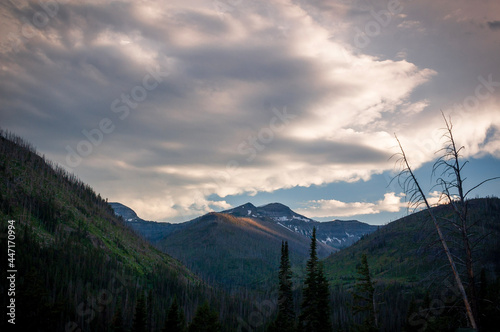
pixel 179 108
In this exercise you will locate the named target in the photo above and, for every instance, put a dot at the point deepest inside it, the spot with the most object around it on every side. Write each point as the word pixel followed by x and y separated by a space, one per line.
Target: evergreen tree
pixel 34 304
pixel 315 316
pixel 175 321
pixel 286 316
pixel 205 320
pixel 483 291
pixel 323 301
pixel 150 311
pixel 364 297
pixel 489 293
pixel 140 317
pixel 412 323
pixel 117 322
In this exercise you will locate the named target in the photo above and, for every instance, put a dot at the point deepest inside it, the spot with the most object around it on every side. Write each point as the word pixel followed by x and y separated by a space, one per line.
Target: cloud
pixel 494 25
pixel 336 209
pixel 210 127
pixel 413 25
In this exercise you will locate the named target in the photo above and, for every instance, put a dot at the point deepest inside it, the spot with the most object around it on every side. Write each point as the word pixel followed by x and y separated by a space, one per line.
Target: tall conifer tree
pixel 117 321
pixel 140 317
pixel 315 316
pixel 150 311
pixel 364 301
pixel 175 321
pixel 205 320
pixel 285 320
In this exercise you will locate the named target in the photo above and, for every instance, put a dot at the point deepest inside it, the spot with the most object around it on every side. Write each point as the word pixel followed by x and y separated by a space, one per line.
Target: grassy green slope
pixel 407 250
pixel 77 262
pixel 54 203
pixel 407 262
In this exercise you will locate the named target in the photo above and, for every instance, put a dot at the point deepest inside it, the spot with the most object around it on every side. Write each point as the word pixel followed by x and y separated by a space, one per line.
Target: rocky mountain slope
pixel 337 234
pixel 150 230
pixel 239 247
pixel 236 251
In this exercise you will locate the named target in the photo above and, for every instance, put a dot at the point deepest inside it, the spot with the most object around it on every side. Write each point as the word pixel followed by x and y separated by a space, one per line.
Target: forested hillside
pixel 81 268
pixel 78 264
pixel 236 248
pixel 410 269
pixel 236 252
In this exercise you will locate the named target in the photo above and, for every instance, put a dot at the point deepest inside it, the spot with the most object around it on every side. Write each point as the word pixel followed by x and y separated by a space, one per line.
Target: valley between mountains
pixel 237 247
pixel 84 264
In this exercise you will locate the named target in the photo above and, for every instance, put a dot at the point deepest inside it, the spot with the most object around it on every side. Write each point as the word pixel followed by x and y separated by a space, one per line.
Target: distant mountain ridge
pixel 150 230
pixel 239 247
pixel 236 251
pixel 274 211
pixel 337 234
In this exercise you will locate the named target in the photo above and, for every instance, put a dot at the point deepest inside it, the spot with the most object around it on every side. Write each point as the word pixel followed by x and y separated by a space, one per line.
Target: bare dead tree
pixel 451 181
pixel 417 197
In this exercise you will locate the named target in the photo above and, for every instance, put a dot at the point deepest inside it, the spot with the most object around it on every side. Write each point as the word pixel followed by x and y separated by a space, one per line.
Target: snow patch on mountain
pixel 284 226
pixel 337 234
pixel 301 218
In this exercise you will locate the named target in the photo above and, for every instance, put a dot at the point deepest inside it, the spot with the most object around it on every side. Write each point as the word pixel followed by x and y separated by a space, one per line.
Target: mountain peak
pixel 275 206
pixel 122 210
pixel 336 234
pixel 247 205
pixel 245 210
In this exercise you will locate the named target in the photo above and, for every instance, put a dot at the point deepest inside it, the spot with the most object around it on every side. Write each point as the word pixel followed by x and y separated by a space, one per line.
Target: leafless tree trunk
pixel 451 181
pixel 417 197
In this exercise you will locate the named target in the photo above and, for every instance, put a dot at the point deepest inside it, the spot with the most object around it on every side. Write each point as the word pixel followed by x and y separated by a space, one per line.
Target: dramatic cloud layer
pixel 328 208
pixel 171 108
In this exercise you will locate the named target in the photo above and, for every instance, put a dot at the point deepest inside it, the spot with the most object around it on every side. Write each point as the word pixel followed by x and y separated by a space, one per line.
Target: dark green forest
pixel 77 263
pixel 81 268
